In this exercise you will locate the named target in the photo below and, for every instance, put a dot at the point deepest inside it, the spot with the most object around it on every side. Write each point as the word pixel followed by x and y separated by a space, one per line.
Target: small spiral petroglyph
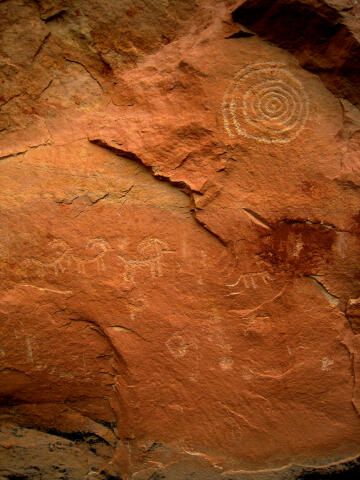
pixel 266 103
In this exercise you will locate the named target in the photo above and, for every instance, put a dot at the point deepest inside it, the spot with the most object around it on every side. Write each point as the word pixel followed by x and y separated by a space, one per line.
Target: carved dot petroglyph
pixel 226 364
pixel 177 345
pixel 265 102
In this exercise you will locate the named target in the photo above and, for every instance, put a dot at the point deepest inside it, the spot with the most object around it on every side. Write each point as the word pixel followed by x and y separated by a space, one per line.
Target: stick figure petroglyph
pixel 136 305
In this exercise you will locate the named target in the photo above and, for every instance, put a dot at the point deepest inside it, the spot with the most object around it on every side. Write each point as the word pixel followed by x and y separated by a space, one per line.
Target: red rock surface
pixel 179 239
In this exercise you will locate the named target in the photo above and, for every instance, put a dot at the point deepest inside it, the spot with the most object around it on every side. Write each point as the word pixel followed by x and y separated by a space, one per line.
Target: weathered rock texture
pixel 179 239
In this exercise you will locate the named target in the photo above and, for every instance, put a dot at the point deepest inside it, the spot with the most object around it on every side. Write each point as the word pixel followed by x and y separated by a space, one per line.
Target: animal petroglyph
pixel 152 251
pixel 266 103
pixel 66 259
pixel 61 249
pixel 98 248
pixel 251 280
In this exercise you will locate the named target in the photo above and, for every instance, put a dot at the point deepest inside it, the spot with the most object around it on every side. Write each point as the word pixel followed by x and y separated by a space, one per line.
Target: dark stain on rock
pixel 318 35
pixel 355 227
pixel 299 246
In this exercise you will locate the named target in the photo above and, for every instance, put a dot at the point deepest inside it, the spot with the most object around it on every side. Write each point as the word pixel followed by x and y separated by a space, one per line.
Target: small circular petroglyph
pixel 265 102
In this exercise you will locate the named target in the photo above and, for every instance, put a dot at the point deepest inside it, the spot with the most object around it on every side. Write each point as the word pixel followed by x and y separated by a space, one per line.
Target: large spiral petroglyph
pixel 265 102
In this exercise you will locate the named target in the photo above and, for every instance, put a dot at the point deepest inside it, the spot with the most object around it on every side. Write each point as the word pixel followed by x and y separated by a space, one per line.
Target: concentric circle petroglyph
pixel 265 102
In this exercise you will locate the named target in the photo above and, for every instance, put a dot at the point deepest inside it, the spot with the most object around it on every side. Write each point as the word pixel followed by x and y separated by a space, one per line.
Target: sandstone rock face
pixel 179 239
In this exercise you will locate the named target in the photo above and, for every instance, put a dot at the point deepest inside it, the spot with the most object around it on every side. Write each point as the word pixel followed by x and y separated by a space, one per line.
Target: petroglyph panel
pixel 64 258
pixel 266 103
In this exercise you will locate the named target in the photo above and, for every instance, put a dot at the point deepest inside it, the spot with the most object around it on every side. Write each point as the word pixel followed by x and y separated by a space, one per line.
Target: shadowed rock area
pixel 323 35
pixel 179 240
